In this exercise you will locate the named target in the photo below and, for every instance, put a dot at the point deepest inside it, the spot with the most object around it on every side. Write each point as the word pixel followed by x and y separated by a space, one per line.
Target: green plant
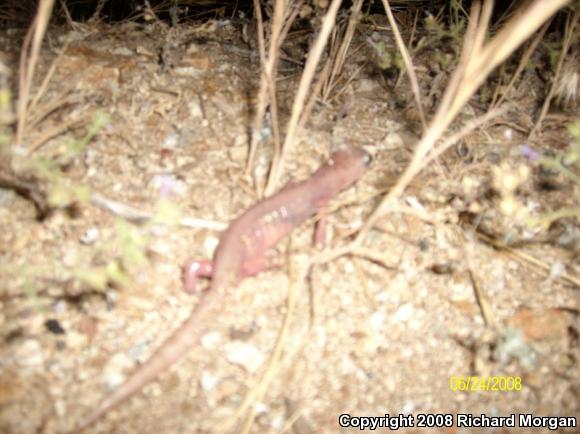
pixel 124 251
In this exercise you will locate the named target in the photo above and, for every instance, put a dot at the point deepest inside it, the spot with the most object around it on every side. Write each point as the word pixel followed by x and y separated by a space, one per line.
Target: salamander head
pixel 345 166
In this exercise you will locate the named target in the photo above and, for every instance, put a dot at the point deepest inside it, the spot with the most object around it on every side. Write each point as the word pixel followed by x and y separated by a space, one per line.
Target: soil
pixel 367 338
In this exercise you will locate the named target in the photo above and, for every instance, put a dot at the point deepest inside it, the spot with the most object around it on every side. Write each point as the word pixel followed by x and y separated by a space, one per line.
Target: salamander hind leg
pixel 193 270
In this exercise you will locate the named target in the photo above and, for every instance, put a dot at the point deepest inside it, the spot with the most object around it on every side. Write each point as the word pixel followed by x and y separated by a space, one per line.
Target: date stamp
pixel 471 383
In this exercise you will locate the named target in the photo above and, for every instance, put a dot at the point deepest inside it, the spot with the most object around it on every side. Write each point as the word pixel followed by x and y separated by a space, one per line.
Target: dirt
pixel 365 338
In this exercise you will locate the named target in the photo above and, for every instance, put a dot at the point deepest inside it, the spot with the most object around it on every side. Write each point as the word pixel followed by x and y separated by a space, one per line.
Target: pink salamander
pixel 241 252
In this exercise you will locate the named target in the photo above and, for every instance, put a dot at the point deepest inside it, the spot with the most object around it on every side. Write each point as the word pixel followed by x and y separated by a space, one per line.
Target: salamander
pixel 240 253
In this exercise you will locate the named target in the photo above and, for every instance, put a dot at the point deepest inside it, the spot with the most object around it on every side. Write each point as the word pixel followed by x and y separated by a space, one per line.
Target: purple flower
pixel 529 152
pixel 168 185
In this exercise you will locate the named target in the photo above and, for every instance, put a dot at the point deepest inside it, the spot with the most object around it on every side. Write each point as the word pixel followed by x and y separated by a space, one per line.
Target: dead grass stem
pixel 28 61
pixel 339 58
pixel 505 90
pixel 571 22
pixel 522 256
pixel 409 68
pixel 267 66
pixel 477 60
pixel 295 121
pixel 297 280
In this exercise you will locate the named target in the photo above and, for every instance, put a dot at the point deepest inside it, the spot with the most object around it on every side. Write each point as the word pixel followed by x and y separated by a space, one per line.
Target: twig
pixel 139 216
pixel 67 15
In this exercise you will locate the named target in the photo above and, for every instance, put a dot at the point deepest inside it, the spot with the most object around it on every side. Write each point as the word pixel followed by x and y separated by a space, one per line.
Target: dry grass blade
pixel 564 277
pixel 476 62
pixel 410 43
pixel 521 65
pixel 28 60
pixel 571 23
pixel 47 77
pixel 283 19
pixel 316 90
pixel 262 93
pixel 374 256
pixel 464 131
pixel 65 98
pixel 338 60
pixel 297 279
pixel 408 62
pixel 307 75
pixel 514 33
pixel 483 302
pixel 36 143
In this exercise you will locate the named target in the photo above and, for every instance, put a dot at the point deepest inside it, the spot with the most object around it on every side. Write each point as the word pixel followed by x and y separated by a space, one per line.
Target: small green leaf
pixel 95 277
pixel 168 213
pixel 82 193
pixel 115 273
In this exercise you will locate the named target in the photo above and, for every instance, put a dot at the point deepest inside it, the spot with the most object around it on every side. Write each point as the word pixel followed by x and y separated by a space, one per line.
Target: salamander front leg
pixel 320 229
pixel 194 269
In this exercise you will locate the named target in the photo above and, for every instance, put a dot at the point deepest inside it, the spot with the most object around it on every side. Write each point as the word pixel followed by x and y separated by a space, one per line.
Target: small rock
pixel 392 141
pixel 210 340
pixel 377 320
pixel 541 324
pixel 557 269
pixel 113 374
pixel 53 326
pixel 195 109
pixel 245 355
pixel 512 346
pixel 30 353
pixel 404 313
pixel 238 153
pixel 210 244
pixel 88 326
pixel 89 236
pixel 208 381
pixel 171 141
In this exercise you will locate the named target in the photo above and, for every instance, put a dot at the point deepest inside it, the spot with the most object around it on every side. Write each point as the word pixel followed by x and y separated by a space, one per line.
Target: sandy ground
pixel 363 337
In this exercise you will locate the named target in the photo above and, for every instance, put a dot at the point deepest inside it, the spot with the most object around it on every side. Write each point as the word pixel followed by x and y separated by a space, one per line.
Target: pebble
pixel 30 353
pixel 404 313
pixel 208 380
pixel 113 374
pixel 245 355
pixel 89 236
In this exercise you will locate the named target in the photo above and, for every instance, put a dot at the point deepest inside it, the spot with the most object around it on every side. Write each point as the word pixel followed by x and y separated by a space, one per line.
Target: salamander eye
pixel 367 159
